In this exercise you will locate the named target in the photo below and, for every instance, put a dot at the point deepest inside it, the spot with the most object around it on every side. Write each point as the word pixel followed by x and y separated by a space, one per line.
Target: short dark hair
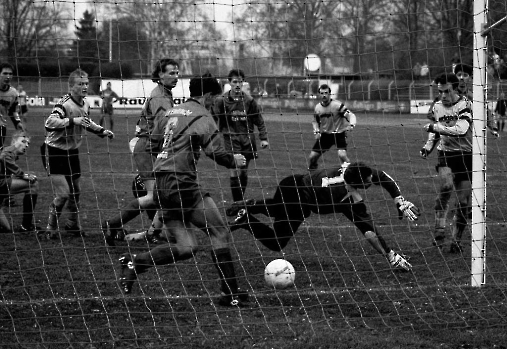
pixel 356 173
pixel 236 72
pixel 200 85
pixel 465 68
pixel 325 87
pixel 447 78
pixel 6 65
pixel 160 67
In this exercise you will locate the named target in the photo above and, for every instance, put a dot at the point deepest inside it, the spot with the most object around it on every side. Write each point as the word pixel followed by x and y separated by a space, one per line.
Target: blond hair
pixel 76 74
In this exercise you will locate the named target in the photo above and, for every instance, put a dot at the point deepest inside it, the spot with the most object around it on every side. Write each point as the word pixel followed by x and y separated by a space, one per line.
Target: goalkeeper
pixel 323 191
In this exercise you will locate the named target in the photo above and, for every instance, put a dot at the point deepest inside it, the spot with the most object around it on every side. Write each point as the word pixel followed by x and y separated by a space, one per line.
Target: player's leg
pixel 446 186
pixel 73 225
pixel 320 146
pixel 29 202
pixel 358 214
pixel 5 226
pixel 340 140
pixel 61 191
pixel 463 183
pixel 111 121
pixel 206 216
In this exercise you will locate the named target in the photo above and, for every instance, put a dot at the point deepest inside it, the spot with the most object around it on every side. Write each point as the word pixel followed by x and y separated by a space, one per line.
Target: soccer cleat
pixel 241 217
pixel 75 230
pixel 456 247
pixel 438 241
pixel 238 205
pixel 48 234
pixel 152 239
pixel 128 273
pixel 28 229
pixel 109 234
pixel 398 261
pixel 235 300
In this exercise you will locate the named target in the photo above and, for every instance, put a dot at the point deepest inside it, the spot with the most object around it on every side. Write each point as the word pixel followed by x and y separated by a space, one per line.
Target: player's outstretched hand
pixel 424 153
pixel 240 160
pixel 108 133
pixel 407 209
pixel 30 177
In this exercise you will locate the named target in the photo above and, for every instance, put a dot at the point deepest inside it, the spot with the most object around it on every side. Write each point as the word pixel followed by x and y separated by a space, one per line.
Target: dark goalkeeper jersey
pixel 327 188
pixel 179 136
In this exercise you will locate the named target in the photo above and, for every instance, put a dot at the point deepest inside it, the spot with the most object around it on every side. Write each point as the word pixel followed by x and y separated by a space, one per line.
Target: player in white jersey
pixel 452 125
pixel 332 121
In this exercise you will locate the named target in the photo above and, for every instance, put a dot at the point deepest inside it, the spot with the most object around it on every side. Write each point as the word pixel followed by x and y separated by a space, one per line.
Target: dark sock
pixel 223 262
pixel 237 194
pixel 29 202
pixel 243 182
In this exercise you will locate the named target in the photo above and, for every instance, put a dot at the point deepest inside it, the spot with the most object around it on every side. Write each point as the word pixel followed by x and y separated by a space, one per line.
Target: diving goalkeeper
pixel 323 191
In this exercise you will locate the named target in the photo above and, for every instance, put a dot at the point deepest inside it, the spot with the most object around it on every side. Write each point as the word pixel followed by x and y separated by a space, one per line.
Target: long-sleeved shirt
pixel 178 138
pixel 327 187
pixel 333 118
pixel 61 131
pixel 237 116
pixel 8 166
pixel 454 126
pixel 9 106
pixel 160 100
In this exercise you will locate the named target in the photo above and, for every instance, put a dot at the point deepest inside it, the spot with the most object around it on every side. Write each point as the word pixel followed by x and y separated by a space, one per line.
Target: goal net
pixel 379 59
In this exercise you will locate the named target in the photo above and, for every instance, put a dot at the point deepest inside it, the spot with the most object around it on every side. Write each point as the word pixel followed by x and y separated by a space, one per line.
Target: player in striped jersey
pixel 65 127
pixel 166 75
pixel 178 139
pixel 324 191
pixel 332 121
pixel 452 125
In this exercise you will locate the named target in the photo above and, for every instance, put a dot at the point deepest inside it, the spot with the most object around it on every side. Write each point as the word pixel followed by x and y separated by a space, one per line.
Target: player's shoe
pixel 75 230
pixel 28 229
pixel 456 248
pixel 238 299
pixel 398 261
pixel 241 217
pixel 128 273
pixel 238 205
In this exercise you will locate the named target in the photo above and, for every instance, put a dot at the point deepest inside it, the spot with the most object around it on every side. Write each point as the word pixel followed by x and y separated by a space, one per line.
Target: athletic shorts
pixel 144 161
pixel 107 109
pixel 244 145
pixel 61 162
pixel 176 198
pixel 460 164
pixel 327 140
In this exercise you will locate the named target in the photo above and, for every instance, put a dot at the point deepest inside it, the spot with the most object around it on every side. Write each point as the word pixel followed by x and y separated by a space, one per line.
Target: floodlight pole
pixel 478 264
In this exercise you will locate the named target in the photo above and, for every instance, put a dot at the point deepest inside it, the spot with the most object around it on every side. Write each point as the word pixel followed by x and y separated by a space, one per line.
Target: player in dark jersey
pixel 501 110
pixel 236 114
pixel 331 124
pixel 166 75
pixel 324 191
pixel 107 110
pixel 14 180
pixel 178 139
pixel 65 128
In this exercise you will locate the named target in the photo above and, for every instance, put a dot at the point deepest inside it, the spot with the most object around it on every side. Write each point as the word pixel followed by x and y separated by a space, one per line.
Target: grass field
pixel 64 293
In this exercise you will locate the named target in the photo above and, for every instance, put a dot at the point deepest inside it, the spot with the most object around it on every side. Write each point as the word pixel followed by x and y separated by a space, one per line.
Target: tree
pixel 30 28
pixel 87 47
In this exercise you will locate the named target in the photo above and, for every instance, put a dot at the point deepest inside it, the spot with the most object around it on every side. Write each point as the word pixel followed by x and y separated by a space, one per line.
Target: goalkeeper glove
pixel 406 208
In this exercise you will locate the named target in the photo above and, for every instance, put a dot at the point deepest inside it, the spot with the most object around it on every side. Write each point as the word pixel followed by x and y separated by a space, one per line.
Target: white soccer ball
pixel 279 274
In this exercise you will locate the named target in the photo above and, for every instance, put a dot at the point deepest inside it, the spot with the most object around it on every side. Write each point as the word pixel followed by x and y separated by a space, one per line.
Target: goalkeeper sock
pixel 237 194
pixel 29 202
pixel 225 267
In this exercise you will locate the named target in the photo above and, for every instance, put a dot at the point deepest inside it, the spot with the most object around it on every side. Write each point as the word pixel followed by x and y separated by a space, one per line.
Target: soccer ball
pixel 279 274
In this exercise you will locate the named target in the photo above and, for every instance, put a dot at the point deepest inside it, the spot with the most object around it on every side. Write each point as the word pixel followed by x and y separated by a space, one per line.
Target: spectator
pixel 425 71
pixel 500 110
pixel 417 71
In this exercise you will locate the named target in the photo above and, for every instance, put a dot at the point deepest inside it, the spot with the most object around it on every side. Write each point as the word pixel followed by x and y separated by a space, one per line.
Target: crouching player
pixel 323 191
pixel 13 181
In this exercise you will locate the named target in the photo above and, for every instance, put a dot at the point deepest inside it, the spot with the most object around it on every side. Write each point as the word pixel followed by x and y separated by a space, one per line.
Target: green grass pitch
pixel 64 293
